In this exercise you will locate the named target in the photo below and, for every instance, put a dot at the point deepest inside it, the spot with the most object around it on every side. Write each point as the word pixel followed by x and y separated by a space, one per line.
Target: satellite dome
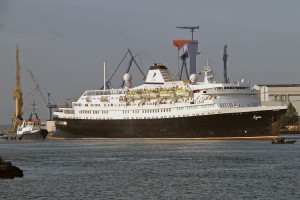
pixel 127 77
pixel 193 78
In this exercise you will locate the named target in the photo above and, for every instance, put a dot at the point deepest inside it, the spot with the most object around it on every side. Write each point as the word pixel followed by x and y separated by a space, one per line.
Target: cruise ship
pixel 165 107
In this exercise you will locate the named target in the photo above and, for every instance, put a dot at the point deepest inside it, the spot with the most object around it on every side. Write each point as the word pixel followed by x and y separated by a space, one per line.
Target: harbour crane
pixel 187 49
pixel 132 60
pixel 192 28
pixel 17 95
pixel 50 106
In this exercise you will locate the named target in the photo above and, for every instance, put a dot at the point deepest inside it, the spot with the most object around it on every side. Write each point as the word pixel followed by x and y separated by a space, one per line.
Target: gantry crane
pixel 187 49
pixel 192 28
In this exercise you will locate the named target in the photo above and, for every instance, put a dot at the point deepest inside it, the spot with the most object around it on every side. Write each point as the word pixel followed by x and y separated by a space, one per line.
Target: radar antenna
pixel 192 28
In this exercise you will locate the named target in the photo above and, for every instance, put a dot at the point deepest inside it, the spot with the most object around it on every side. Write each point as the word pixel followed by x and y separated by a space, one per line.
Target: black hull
pixel 245 124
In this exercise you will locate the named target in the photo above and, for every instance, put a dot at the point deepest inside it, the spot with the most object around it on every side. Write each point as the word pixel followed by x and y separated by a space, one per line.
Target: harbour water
pixel 152 169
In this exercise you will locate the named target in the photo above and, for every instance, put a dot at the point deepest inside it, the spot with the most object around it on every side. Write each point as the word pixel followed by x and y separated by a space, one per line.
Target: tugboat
pixel 30 129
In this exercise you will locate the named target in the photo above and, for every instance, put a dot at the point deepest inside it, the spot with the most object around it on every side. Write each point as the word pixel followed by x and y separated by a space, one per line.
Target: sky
pixel 65 42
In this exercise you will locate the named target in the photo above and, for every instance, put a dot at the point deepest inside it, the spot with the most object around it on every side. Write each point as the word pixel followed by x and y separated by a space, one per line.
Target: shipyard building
pixel 280 94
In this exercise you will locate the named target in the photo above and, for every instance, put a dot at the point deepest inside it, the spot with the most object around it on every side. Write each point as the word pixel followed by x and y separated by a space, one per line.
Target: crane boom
pixel 132 60
pixel 17 95
pixel 192 28
pixel 38 86
pixel 50 106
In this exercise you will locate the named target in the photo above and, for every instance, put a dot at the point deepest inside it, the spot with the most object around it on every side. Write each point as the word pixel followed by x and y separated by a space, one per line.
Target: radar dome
pixel 127 77
pixel 193 78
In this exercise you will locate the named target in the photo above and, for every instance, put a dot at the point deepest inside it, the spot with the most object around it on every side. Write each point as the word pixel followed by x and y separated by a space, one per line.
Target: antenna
pixel 192 28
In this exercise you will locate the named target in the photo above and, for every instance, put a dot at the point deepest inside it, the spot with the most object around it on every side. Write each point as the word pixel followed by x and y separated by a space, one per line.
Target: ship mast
pixel 225 55
pixel 17 95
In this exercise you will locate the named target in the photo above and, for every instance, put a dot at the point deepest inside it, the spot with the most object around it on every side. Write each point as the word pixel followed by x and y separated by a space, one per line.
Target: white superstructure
pixel 163 97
